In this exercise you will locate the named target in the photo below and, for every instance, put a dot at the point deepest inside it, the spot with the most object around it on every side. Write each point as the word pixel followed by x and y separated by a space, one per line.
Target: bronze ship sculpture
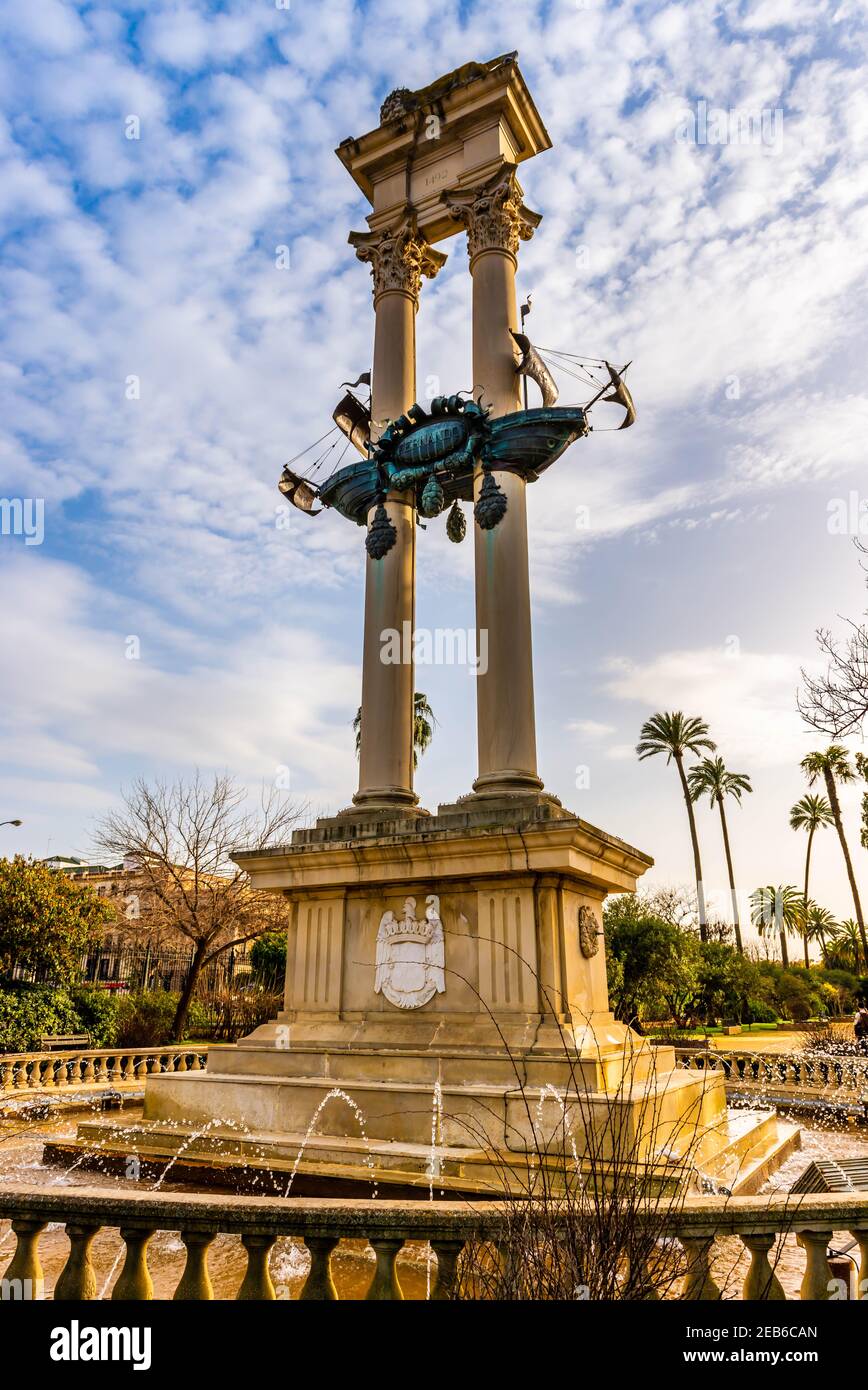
pixel 437 452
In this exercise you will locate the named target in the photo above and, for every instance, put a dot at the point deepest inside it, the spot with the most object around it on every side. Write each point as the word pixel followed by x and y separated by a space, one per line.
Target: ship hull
pixel 526 442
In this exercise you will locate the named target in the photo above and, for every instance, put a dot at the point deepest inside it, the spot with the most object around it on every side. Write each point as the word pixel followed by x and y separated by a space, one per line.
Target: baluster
pixel 257 1278
pixel 25 1268
pixel 5 1076
pixel 860 1233
pixel 87 1075
pixel 111 1069
pixel 195 1064
pixel 61 1076
pixel 127 1069
pixel 698 1280
pixel 195 1285
pixel 319 1283
pixel 19 1079
pixel 134 1281
pixel 77 1280
pixel 761 1283
pixel 815 1284
pixel 385 1286
pixel 182 1062
pixel 448 1253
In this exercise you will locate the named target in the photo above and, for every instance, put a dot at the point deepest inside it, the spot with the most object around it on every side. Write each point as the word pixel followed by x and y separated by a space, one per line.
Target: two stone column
pixel 497 221
pixel 398 259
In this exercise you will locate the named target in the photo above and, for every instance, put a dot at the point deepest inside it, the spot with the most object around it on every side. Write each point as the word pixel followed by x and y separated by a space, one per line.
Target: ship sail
pixel 532 365
pixel 299 492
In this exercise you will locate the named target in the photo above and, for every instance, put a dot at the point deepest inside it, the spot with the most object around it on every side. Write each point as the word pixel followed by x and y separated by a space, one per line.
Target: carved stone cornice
pixel 398 257
pixel 494 214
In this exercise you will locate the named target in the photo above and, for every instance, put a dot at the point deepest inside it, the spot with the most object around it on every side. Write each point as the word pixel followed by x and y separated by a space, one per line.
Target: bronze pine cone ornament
pixel 491 504
pixel 382 535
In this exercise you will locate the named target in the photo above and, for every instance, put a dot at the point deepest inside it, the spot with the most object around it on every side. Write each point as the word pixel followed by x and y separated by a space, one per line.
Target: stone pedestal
pixel 446 983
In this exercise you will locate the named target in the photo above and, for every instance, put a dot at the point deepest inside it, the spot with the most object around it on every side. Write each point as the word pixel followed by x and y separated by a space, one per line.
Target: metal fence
pixel 131 966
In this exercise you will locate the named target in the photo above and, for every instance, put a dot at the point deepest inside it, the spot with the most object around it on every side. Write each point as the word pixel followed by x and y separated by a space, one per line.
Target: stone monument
pixel 446 968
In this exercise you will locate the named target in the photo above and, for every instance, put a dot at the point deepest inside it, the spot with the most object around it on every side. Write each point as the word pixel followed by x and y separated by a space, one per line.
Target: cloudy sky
pixel 160 364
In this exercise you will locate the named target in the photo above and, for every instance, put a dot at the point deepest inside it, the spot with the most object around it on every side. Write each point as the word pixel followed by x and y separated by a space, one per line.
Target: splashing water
pixel 337 1094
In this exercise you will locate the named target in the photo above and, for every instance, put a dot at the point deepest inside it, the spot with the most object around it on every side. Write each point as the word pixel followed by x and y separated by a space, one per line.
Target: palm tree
pixel 847 940
pixel 811 813
pixel 423 727
pixel 834 767
pixel 710 778
pixel 777 910
pixel 820 925
pixel 676 734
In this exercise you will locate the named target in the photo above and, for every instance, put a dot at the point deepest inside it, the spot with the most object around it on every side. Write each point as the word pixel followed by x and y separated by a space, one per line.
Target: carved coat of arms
pixel 589 932
pixel 411 956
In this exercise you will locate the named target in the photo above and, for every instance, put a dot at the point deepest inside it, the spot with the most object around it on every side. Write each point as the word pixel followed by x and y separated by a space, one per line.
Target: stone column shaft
pixel 496 221
pixel 398 259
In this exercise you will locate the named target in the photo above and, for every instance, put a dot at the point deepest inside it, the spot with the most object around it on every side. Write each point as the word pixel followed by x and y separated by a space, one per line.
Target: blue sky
pixel 733 275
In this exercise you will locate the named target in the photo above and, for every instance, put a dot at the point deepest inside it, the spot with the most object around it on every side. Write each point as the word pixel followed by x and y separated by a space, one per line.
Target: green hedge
pixel 29 1012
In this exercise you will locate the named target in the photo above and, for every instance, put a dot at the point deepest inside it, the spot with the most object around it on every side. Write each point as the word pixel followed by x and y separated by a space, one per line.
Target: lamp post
pixel 10 822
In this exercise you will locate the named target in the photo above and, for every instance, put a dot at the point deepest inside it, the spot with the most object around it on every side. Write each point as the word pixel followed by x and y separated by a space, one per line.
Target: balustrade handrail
pixel 234 1215
pixel 93 1066
pixel 68 1053
pixel 815 1070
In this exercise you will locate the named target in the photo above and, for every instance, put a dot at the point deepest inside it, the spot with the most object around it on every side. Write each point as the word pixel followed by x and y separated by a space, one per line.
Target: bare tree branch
pixel 836 703
pixel 182 837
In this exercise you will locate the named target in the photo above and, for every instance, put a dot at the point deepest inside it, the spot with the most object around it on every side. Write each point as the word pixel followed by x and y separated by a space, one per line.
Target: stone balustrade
pixel 96 1066
pixel 757 1222
pixel 817 1073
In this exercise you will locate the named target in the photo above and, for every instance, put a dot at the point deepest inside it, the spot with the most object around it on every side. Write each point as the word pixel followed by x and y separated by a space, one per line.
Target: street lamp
pixel 10 822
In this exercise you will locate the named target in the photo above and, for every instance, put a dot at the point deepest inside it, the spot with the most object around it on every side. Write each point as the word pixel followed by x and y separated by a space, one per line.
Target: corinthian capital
pixel 494 214
pixel 398 257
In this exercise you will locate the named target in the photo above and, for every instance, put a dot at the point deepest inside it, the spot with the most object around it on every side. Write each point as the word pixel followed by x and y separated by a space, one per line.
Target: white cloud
pixel 746 698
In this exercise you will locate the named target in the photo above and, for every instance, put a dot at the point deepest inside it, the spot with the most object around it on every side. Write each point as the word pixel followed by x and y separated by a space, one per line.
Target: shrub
pixel 145 1019
pixel 268 959
pixel 97 1010
pixel 29 1012
pixel 798 1001
pixel 758 1011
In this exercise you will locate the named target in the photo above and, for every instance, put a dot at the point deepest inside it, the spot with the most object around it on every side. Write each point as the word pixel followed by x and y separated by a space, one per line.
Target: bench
pixel 57 1041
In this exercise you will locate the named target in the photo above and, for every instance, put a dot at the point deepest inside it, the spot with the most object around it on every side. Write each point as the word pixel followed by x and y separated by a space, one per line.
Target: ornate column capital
pixel 494 214
pixel 398 257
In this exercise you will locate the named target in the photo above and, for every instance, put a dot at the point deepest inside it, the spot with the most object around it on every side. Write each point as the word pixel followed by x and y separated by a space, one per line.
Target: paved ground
pixel 789 1041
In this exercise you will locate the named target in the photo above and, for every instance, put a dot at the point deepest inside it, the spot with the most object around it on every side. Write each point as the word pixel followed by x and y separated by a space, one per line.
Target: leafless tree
pixel 181 837
pixel 836 703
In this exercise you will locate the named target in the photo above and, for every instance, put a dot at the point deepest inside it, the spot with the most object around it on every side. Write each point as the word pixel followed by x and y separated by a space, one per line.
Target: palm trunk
pixel 735 920
pixel 694 840
pixel 180 1020
pixel 832 792
pixel 807 876
pixel 785 955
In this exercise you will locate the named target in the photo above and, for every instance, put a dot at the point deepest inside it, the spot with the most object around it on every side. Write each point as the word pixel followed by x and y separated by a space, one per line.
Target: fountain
pixel 456 957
